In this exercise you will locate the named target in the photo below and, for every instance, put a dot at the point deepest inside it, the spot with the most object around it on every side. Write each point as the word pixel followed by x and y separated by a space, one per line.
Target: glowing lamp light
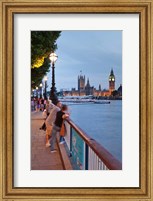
pixel 53 57
pixel 45 78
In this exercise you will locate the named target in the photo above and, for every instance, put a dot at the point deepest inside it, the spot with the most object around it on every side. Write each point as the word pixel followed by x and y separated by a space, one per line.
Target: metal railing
pixel 85 152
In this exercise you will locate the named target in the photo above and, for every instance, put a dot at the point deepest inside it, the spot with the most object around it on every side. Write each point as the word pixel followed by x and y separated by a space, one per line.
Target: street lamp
pixel 33 93
pixel 40 90
pixel 37 92
pixel 53 97
pixel 45 94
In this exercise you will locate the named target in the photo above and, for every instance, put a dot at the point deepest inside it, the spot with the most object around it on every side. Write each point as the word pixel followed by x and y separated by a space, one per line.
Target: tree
pixel 42 44
pixel 37 74
pixel 115 93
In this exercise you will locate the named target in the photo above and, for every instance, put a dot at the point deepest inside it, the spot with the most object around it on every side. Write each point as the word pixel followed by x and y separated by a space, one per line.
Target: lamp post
pixel 53 97
pixel 45 94
pixel 33 93
pixel 37 92
pixel 40 90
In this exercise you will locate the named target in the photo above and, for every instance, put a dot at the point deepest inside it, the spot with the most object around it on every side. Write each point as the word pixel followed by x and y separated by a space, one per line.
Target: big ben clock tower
pixel 111 81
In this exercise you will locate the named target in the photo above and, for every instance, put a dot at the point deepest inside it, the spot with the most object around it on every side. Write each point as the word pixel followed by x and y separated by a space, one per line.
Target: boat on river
pixel 82 100
pixel 101 102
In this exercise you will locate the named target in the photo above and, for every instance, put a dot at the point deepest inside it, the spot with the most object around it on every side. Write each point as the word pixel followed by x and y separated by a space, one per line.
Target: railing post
pixel 86 156
pixel 70 141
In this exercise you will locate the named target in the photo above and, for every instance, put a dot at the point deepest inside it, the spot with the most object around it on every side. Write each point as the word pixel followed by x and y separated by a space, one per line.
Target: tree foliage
pixel 115 93
pixel 42 44
pixel 37 74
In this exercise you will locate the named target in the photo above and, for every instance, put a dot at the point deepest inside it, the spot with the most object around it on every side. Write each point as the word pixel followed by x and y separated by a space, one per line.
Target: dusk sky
pixel 94 53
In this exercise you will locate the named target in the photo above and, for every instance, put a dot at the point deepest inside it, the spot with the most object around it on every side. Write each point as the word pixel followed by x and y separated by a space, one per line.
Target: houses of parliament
pixel 85 89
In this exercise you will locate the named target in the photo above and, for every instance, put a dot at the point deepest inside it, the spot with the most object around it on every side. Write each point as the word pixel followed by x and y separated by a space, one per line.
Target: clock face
pixel 111 79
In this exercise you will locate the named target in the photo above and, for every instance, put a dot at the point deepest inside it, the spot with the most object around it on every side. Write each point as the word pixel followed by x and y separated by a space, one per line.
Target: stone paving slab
pixel 41 158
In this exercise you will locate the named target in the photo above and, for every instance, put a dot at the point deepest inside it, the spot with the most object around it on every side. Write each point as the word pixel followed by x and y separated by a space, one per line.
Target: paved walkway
pixel 41 158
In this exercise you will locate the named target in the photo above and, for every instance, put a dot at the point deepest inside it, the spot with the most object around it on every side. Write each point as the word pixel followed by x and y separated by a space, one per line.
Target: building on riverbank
pixel 85 89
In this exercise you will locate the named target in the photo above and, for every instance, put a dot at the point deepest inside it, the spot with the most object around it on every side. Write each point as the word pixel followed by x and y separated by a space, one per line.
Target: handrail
pixel 110 161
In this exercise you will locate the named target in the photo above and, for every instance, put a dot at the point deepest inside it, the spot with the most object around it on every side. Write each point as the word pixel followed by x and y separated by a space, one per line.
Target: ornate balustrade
pixel 85 152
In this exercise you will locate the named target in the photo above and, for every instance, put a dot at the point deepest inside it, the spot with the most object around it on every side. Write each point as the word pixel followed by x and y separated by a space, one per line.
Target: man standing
pixel 60 116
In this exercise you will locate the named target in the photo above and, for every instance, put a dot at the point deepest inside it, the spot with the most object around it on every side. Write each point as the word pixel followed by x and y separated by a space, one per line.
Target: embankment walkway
pixel 41 158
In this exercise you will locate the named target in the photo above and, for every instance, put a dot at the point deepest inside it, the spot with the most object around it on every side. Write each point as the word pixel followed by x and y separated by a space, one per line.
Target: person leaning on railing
pixel 63 130
pixel 60 116
pixel 49 106
pixel 50 121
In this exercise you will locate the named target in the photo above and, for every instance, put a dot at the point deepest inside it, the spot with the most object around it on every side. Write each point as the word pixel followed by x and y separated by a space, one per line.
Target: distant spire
pixel 88 84
pixel 99 87
pixel 112 73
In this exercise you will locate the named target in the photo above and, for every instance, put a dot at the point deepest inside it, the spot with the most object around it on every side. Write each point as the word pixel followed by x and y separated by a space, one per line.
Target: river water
pixel 102 122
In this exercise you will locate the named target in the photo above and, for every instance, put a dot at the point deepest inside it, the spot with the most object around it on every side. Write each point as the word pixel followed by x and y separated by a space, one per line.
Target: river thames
pixel 102 122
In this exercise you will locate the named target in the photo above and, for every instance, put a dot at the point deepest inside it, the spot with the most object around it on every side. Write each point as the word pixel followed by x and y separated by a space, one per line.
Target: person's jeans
pixel 61 139
pixel 55 130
